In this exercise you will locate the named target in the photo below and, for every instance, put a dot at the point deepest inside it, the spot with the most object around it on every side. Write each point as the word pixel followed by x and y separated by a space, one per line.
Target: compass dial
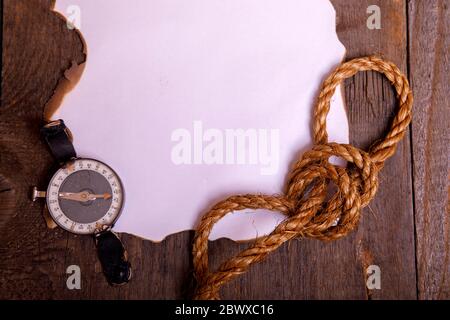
pixel 85 196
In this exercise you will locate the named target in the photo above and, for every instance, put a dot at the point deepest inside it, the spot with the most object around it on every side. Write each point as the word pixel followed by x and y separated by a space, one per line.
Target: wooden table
pixel 405 231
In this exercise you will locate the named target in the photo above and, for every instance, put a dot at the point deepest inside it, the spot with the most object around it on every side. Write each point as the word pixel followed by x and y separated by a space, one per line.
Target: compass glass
pixel 85 196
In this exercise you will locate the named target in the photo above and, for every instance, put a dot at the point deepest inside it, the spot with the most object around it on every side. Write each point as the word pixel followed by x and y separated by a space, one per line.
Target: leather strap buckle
pixel 59 139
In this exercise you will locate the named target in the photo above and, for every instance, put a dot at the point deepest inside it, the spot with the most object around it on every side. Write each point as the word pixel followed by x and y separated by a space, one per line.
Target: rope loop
pixel 322 200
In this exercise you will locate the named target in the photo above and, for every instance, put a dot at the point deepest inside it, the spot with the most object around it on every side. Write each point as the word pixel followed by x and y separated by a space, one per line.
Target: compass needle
pixel 105 196
pixel 83 196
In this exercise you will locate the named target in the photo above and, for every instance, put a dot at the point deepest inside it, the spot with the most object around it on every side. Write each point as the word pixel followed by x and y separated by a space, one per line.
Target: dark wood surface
pixel 429 62
pixel 404 231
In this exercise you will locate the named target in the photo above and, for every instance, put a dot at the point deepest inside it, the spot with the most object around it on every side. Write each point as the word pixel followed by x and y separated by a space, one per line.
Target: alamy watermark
pixel 373 273
pixel 73 13
pixel 213 146
pixel 74 280
pixel 374 19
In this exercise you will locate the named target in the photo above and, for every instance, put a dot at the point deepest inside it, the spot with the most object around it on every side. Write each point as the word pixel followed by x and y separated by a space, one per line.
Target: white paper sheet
pixel 193 101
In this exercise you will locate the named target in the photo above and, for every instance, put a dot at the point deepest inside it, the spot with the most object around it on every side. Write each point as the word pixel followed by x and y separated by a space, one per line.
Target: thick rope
pixel 310 211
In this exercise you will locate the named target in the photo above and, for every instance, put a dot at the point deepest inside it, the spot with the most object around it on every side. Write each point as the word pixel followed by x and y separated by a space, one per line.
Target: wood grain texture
pixel 385 235
pixel 429 47
pixel 38 50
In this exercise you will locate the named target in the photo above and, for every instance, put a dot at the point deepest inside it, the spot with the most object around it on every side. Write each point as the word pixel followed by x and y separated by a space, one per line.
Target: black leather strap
pixel 111 252
pixel 113 258
pixel 59 141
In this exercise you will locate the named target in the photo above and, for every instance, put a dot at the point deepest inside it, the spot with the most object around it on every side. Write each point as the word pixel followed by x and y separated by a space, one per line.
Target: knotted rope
pixel 310 211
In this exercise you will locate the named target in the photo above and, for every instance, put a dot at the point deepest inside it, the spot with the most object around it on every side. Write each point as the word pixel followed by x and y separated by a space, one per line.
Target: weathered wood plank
pixel 37 49
pixel 385 236
pixel 429 47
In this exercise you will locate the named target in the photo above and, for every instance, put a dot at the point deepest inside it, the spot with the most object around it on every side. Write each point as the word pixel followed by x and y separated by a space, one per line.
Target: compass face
pixel 85 196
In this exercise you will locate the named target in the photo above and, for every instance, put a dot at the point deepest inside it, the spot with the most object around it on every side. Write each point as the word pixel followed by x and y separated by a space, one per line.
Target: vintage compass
pixel 86 197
